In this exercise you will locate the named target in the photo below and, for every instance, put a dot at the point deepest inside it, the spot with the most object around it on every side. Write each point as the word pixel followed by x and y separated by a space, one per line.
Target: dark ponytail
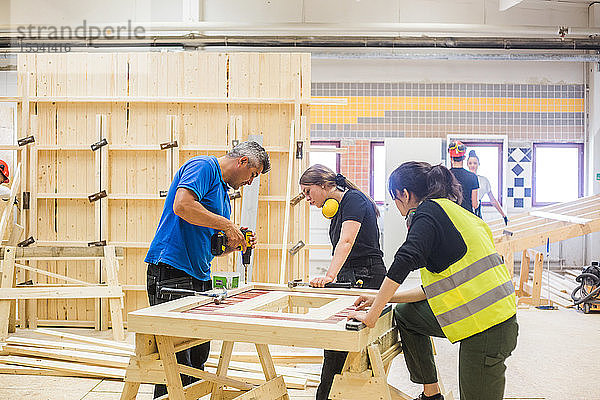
pixel 425 181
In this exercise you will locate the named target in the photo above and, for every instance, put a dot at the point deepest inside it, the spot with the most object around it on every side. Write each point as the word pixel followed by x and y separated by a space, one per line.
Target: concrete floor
pixel 557 358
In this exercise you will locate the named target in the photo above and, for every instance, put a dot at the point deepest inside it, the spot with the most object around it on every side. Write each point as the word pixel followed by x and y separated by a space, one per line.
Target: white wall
pixel 532 12
pixel 73 12
pixel 440 71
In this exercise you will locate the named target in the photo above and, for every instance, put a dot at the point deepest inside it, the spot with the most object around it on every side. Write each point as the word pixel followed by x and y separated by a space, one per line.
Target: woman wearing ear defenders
pixel 354 235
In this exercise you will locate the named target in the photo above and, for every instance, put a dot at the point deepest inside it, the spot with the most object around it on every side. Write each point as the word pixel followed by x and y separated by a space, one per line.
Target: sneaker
pixel 434 397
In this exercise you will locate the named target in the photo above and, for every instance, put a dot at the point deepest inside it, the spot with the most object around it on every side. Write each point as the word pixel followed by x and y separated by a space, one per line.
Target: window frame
pixel 373 144
pixel 580 165
pixel 500 146
pixel 336 144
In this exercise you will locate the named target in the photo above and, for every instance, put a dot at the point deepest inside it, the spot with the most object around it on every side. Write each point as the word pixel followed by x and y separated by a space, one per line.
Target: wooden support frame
pixel 531 295
pixel 111 290
pixel 118 99
pixel 169 324
pixel 547 224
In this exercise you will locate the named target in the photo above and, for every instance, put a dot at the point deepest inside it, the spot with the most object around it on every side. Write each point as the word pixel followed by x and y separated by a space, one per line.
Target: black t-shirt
pixel 469 182
pixel 432 242
pixel 355 206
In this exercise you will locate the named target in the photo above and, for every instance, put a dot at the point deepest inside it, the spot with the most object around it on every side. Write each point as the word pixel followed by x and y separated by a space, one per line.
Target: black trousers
pixel 371 272
pixel 162 275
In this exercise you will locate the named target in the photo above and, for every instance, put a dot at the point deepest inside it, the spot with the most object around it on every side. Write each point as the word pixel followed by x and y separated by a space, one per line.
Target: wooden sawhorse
pixel 155 362
pixel 261 314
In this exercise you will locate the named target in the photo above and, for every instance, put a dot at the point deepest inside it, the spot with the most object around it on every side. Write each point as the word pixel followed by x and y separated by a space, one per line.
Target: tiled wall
pixel 374 111
pixel 519 176
pixel 355 162
pixel 380 110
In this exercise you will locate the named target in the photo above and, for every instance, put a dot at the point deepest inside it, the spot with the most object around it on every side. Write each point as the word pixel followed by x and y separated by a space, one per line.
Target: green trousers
pixel 481 357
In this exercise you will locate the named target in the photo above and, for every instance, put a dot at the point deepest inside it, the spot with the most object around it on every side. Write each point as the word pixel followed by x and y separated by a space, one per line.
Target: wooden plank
pixel 249 212
pixel 8 270
pixel 66 292
pixel 158 99
pixel 86 339
pixel 57 276
pixel 22 370
pixel 560 217
pixel 167 355
pixel 312 377
pixel 288 195
pixel 272 390
pixel 278 359
pixel 70 355
pixel 61 252
pixel 222 367
pixel 215 378
pixel 64 366
pixel 49 344
pixel 111 266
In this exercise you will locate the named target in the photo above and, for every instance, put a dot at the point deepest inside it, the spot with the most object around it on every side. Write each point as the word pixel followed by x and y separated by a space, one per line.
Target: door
pixel 398 151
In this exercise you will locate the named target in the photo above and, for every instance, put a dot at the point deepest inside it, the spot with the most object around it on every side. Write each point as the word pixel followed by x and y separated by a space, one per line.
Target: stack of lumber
pixel 64 354
pixel 559 287
pixel 54 353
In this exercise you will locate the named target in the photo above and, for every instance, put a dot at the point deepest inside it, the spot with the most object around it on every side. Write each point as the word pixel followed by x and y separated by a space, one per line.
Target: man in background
pixel 468 180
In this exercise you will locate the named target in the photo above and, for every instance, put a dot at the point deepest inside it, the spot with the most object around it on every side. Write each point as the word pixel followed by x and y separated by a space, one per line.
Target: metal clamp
pixel 26 242
pixel 26 140
pixel 97 196
pixel 97 145
pixel 168 145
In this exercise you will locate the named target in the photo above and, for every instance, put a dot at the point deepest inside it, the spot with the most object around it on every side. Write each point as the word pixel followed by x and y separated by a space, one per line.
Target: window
pixel 490 165
pixel 557 172
pixel 377 176
pixel 323 152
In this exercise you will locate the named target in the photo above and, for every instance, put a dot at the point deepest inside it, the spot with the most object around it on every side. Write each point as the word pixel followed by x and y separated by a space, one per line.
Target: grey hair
pixel 256 154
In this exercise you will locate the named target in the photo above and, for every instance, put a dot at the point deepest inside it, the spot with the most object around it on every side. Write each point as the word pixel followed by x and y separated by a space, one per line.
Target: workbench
pixel 262 314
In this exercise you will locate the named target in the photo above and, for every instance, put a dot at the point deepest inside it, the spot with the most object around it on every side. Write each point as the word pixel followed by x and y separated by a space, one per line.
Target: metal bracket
pixel 163 193
pixel 26 140
pixel 97 196
pixel 97 145
pixel 26 242
pixel 296 199
pixel 168 145
pixel 296 248
pixel 26 200
pixel 299 149
pixel 235 195
pixel 99 243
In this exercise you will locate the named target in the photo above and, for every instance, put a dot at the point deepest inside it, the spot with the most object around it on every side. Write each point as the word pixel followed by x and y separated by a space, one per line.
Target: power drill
pixel 218 245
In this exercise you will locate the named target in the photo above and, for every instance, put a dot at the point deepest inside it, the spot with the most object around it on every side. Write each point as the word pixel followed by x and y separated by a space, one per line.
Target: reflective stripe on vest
pixel 476 292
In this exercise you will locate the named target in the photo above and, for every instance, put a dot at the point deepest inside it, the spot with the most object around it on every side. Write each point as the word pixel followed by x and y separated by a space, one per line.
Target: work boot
pixel 434 397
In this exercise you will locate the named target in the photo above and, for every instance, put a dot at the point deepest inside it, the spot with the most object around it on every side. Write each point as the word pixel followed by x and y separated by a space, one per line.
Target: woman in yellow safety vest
pixel 467 294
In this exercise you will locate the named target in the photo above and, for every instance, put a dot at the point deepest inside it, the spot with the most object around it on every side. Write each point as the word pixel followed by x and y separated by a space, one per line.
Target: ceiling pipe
pixel 191 41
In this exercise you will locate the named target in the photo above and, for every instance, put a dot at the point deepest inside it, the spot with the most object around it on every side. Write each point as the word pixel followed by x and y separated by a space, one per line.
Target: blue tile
pixel 518 202
pixel 527 192
pixel 510 192
pixel 510 159
pixel 517 169
pixel 519 182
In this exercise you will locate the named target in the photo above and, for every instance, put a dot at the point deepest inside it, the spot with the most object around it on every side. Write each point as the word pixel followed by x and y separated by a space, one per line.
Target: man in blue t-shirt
pixel 196 207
